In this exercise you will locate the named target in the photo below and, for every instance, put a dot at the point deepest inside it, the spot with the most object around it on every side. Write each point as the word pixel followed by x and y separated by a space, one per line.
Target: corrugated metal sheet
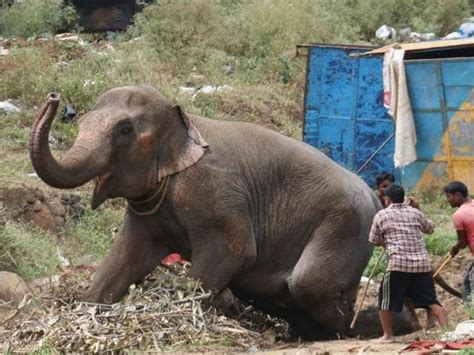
pixel 345 117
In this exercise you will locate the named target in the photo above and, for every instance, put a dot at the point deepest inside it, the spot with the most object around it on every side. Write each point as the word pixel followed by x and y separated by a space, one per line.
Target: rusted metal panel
pixel 345 117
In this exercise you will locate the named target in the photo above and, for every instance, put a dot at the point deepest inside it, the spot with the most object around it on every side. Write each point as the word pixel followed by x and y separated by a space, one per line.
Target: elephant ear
pixel 186 146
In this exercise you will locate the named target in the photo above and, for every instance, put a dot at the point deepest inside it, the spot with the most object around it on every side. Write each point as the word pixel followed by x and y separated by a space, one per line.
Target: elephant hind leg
pixel 326 277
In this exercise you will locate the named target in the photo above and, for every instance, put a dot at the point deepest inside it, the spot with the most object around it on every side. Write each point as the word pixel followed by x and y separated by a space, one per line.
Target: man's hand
pixel 413 203
pixel 454 250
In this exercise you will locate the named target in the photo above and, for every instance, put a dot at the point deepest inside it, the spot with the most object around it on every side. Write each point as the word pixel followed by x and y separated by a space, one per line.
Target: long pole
pixel 442 265
pixel 359 306
pixel 374 154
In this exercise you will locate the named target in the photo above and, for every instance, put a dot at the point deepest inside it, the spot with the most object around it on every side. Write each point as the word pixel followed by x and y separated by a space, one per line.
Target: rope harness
pixel 152 204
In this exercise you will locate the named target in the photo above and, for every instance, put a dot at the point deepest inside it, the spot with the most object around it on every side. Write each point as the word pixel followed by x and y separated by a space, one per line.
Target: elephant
pixel 267 216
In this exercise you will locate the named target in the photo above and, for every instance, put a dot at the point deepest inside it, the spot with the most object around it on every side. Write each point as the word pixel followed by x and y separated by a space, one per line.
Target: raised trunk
pixel 77 166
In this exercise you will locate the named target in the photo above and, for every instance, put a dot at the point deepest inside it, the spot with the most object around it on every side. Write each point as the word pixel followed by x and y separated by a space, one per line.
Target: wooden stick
pixel 442 265
pixel 359 306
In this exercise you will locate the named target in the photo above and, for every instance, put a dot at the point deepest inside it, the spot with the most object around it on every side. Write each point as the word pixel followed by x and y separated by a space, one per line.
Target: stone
pixel 12 287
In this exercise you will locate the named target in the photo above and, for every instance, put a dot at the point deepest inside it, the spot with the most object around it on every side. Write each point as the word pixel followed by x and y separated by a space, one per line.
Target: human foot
pixel 385 339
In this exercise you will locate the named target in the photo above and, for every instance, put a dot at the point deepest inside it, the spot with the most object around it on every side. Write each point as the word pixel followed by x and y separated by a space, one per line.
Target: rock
pixel 8 107
pixel 196 80
pixel 37 206
pixel 71 37
pixel 29 205
pixel 12 287
pixel 186 91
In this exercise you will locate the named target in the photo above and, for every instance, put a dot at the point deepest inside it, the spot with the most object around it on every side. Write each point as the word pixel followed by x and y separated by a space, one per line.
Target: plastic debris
pixel 63 261
pixel 69 113
pixel 88 82
pixel 8 107
pixel 386 32
pixel 212 89
pixel 463 331
pixel 4 51
pixel 365 279
pixel 466 30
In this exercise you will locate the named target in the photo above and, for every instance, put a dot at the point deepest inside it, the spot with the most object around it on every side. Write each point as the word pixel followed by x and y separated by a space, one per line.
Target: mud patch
pixel 32 206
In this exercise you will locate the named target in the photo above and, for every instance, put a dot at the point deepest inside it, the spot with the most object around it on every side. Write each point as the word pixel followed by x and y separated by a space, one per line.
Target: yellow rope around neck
pixel 161 190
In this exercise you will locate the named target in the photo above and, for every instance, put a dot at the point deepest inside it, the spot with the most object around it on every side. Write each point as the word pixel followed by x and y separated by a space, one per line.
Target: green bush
pixel 90 237
pixel 438 16
pixel 31 18
pixel 381 267
pixel 258 37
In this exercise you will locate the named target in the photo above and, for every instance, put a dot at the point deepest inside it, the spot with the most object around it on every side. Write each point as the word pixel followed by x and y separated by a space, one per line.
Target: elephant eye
pixel 124 128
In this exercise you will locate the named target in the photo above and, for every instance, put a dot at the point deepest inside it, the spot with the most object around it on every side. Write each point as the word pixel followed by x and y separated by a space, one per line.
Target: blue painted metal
pixel 345 117
pixel 344 113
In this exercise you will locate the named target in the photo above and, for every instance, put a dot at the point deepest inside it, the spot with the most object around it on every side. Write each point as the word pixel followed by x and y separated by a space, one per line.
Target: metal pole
pixel 375 153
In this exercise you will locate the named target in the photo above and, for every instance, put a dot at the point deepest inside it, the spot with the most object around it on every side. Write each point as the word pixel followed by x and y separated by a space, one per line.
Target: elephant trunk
pixel 77 166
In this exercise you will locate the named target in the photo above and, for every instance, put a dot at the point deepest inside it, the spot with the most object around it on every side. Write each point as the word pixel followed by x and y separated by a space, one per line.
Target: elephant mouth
pixel 103 185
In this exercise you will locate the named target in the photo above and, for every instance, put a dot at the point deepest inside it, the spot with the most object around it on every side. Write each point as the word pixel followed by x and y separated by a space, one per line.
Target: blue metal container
pixel 345 117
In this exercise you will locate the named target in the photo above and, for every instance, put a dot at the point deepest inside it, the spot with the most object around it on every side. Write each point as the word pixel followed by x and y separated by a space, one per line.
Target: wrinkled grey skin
pixel 268 216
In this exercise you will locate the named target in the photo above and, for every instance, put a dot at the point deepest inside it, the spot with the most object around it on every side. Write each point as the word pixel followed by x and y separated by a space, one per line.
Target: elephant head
pixel 130 140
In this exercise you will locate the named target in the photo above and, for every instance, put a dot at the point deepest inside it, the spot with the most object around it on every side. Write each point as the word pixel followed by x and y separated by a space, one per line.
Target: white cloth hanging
pixel 397 101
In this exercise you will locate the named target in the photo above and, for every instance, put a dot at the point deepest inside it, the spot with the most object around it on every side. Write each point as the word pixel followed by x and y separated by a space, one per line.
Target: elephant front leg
pixel 218 258
pixel 133 255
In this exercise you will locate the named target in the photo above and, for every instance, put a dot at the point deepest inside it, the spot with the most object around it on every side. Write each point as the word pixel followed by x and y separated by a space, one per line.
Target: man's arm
pixel 427 226
pixel 376 234
pixel 461 244
pixel 461 233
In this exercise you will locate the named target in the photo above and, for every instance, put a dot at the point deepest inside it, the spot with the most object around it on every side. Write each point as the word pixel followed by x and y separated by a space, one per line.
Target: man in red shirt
pixel 463 219
pixel 398 228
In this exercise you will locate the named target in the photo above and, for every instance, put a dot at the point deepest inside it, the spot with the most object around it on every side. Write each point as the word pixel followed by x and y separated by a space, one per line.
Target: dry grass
pixel 169 311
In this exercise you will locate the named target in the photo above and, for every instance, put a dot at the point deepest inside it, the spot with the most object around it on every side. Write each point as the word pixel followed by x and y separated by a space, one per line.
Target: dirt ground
pixel 453 274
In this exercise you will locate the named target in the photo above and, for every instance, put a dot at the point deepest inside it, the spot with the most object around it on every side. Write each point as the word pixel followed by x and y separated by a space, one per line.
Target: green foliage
pixel 258 37
pixel 91 236
pixel 438 16
pixel 381 267
pixel 466 351
pixel 31 253
pixel 440 242
pixel 31 18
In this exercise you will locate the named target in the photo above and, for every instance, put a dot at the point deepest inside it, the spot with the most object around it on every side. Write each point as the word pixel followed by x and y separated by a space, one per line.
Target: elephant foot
pixel 227 303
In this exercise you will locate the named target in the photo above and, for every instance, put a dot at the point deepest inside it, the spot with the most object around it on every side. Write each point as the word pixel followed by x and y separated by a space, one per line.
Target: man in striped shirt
pixel 398 228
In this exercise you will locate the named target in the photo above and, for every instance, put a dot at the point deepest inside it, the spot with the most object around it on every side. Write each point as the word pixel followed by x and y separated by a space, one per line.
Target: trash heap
pixel 384 32
pixel 168 312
